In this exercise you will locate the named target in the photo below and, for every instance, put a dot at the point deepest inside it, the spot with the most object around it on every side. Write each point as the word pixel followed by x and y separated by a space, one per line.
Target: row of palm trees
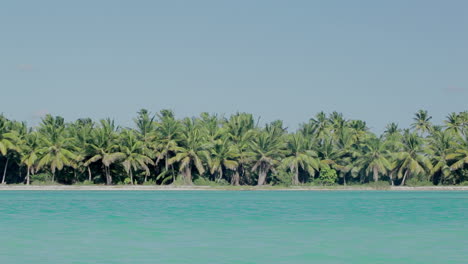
pixel 161 149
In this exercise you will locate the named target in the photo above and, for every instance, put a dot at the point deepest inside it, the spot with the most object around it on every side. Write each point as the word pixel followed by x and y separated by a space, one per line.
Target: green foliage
pixel 179 181
pixel 216 150
pixel 282 178
pixel 127 181
pixel 380 185
pixel 200 181
pixel 87 182
pixel 415 182
pixel 327 177
pixel 465 183
pixel 149 182
pixel 42 179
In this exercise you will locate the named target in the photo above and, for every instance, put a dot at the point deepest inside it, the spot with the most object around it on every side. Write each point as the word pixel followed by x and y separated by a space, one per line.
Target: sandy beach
pixel 218 188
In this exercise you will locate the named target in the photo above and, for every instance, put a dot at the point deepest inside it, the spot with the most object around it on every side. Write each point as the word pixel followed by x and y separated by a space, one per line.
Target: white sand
pixel 17 187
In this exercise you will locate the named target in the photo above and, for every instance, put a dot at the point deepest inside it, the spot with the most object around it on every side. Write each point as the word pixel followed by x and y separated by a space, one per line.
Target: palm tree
pixel 358 130
pixel 457 123
pixel 459 154
pixel 346 152
pixel 30 153
pixel 223 155
pixel 240 129
pixel 169 132
pixel 337 122
pixel 81 133
pixel 317 127
pixel 210 125
pixel 56 150
pixel 375 158
pixel 8 140
pixel 146 130
pixel 268 147
pixel 133 157
pixel 440 145
pixel 103 147
pixel 422 122
pixel 330 156
pixel 191 152
pixel 411 158
pixel 300 156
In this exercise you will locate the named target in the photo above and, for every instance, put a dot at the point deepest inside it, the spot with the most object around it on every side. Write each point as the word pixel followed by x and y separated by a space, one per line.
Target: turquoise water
pixel 233 227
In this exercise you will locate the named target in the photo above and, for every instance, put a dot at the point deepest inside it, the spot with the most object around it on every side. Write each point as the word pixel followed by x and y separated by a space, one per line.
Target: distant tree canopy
pixel 161 149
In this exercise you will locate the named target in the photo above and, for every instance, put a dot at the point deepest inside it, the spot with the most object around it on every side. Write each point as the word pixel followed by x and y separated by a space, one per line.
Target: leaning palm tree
pixel 192 151
pixel 411 159
pixel 133 157
pixel 300 156
pixel 375 157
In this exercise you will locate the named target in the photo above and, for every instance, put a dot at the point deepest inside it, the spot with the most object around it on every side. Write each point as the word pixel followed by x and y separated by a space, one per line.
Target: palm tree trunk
pixel 220 174
pixel 188 175
pixel 146 177
pixel 404 178
pixel 27 177
pixel 5 170
pixel 108 176
pixel 235 178
pixel 131 176
pixel 376 174
pixel 90 177
pixel 296 176
pixel 53 176
pixel 391 178
pixel 344 179
pixel 262 173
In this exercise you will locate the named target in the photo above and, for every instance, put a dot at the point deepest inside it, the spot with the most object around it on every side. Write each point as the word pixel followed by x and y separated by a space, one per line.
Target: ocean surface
pixel 233 227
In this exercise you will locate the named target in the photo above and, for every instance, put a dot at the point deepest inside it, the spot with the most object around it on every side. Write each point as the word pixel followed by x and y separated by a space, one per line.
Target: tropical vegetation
pixel 162 149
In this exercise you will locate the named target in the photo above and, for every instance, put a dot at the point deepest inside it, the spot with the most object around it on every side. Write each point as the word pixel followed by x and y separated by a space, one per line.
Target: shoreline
pixel 220 188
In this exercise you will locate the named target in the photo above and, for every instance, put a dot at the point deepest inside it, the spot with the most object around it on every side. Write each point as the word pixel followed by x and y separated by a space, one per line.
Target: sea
pixel 204 227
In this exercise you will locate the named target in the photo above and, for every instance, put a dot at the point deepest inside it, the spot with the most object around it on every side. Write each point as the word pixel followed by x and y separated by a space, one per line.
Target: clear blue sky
pixel 379 61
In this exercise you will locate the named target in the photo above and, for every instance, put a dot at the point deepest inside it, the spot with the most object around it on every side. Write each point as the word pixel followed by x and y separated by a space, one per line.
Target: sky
pixel 379 61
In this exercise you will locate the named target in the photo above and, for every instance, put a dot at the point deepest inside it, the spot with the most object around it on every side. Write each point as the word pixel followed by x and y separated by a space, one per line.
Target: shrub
pixel 42 179
pixel 380 185
pixel 150 182
pixel 282 178
pixel 465 183
pixel 327 177
pixel 179 180
pixel 87 182
pixel 201 181
pixel 414 182
pixel 127 181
